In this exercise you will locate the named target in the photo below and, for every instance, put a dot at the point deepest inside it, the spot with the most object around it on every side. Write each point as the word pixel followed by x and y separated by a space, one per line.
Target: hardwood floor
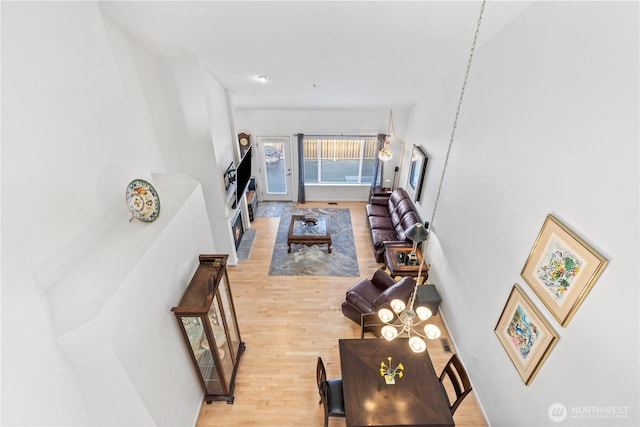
pixel 286 322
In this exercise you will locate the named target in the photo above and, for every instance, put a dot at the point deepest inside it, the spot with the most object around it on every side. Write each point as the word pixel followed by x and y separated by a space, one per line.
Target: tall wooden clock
pixel 244 139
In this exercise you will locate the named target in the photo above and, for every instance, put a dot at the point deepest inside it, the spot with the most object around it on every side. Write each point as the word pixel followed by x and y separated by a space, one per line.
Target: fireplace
pixel 237 228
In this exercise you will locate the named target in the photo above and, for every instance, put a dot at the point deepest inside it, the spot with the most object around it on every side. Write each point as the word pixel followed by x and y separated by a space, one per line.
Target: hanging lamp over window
pixel 385 154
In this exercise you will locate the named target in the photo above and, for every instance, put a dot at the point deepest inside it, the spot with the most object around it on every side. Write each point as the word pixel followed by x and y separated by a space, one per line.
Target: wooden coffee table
pixel 304 232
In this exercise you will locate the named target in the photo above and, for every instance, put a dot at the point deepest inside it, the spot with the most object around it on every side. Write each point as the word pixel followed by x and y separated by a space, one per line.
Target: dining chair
pixel 455 375
pixel 370 322
pixel 330 393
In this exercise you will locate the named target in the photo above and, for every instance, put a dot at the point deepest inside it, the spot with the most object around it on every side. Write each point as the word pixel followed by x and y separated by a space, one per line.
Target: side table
pixel 398 263
pixel 429 296
pixel 252 203
pixel 252 198
pixel 379 192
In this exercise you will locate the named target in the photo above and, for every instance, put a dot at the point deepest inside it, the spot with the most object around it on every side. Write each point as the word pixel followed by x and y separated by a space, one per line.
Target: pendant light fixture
pixel 385 154
pixel 409 319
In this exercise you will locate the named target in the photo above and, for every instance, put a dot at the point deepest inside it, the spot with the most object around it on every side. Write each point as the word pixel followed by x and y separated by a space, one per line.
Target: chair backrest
pixel 458 379
pixel 382 280
pixel 370 322
pixel 331 395
pixel 321 379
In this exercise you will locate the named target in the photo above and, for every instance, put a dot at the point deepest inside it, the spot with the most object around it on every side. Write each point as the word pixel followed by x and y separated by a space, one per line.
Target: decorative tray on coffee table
pixel 310 222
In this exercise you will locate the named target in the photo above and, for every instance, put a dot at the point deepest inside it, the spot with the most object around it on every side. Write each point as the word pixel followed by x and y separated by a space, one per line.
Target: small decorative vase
pixel 388 373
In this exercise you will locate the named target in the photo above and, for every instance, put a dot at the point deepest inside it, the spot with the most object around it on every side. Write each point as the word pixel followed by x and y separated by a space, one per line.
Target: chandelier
pixel 410 319
pixel 385 154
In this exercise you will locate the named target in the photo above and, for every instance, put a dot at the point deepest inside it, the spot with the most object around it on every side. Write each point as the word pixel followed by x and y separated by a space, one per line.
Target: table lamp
pixel 417 233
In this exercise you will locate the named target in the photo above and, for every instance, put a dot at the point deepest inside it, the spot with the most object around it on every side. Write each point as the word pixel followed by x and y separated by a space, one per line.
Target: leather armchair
pixel 368 295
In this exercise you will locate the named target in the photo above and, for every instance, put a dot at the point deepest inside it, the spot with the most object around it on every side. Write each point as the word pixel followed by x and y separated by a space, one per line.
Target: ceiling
pixel 318 54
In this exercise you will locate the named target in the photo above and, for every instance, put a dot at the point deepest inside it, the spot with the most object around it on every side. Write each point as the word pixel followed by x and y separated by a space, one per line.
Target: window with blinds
pixel 339 160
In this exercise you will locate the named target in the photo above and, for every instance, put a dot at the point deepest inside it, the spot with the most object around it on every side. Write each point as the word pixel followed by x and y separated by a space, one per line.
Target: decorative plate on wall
pixel 143 201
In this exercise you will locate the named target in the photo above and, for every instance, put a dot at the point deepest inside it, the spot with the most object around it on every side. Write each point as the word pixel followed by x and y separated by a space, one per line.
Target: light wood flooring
pixel 286 322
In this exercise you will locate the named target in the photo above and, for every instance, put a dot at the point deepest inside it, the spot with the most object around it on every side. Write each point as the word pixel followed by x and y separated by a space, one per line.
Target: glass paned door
pixel 274 156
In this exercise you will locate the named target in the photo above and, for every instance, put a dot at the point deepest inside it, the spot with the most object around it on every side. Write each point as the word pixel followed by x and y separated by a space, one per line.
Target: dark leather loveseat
pixel 389 218
pixel 368 295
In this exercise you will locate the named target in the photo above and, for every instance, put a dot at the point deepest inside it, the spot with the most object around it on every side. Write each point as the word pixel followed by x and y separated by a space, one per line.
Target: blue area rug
pixel 314 260
pixel 274 209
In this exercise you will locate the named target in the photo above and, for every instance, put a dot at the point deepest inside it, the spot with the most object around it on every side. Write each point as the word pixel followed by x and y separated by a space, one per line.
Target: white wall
pixel 86 294
pixel 326 122
pixel 72 153
pixel 549 124
pixel 187 119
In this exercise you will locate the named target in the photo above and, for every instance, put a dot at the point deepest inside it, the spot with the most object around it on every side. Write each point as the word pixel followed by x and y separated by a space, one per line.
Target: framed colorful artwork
pixel 526 336
pixel 561 269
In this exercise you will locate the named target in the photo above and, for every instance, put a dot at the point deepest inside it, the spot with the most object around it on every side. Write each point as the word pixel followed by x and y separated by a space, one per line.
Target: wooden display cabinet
pixel 207 318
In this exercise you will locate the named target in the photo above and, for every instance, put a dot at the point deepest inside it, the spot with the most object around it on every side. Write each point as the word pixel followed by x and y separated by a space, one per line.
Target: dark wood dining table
pixel 416 399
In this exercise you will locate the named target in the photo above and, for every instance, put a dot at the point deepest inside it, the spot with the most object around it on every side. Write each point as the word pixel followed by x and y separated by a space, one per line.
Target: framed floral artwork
pixel 526 336
pixel 561 269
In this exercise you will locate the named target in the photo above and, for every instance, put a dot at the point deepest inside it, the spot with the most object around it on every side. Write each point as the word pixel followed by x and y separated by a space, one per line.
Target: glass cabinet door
pixel 222 347
pixel 201 350
pixel 230 321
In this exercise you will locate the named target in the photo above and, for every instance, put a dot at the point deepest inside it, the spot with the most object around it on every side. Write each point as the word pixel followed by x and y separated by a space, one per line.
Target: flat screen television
pixel 243 175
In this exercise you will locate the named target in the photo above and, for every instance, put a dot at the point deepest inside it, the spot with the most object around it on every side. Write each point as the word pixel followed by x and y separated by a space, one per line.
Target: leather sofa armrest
pixel 395 242
pixel 358 302
pixel 360 284
pixel 382 280
pixel 380 200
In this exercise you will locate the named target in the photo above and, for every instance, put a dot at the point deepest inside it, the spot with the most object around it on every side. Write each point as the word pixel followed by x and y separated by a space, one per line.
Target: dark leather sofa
pixel 368 295
pixel 389 218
